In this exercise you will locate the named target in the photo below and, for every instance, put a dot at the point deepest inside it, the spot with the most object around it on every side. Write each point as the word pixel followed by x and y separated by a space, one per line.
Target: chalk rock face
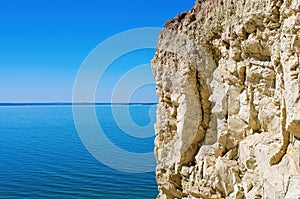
pixel 228 118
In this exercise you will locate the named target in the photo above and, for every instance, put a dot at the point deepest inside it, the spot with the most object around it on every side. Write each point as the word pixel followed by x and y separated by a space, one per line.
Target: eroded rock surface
pixel 228 118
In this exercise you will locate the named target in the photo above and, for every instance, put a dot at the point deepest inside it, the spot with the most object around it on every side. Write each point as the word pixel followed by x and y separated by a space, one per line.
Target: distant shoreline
pixel 70 103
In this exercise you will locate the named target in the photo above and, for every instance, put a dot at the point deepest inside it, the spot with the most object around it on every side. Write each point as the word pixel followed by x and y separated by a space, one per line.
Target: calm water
pixel 41 156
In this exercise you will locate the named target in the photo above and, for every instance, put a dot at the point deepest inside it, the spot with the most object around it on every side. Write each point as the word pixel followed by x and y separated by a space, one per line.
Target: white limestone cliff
pixel 228 118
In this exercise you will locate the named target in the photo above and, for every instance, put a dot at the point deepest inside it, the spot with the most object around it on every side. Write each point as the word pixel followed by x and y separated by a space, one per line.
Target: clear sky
pixel 44 42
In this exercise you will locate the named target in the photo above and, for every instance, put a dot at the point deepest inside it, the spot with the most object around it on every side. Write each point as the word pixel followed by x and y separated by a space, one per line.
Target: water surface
pixel 42 156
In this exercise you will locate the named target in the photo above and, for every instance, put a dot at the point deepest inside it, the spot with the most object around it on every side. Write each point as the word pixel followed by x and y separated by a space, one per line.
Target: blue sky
pixel 44 42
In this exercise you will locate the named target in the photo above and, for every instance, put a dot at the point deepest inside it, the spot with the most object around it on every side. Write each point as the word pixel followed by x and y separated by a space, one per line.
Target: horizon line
pixel 74 103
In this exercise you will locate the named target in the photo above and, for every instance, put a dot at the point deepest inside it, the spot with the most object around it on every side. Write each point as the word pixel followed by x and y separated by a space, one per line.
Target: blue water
pixel 42 156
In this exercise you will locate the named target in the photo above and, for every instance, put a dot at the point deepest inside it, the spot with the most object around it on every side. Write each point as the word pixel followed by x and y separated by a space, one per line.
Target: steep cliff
pixel 228 118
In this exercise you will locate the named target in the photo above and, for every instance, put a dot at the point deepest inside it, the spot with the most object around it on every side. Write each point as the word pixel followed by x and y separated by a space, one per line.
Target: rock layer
pixel 228 118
